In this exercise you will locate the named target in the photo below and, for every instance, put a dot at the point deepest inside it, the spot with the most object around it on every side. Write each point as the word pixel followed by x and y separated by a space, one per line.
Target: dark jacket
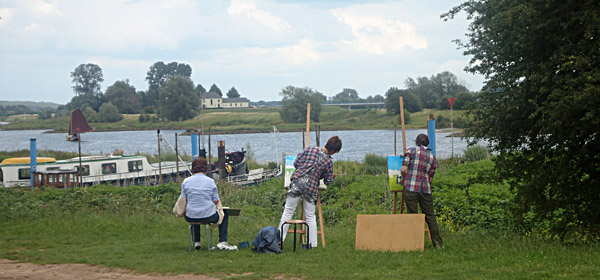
pixel 267 240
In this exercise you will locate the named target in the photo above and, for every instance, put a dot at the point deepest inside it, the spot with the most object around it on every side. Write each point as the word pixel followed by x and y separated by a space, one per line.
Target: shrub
pixel 476 153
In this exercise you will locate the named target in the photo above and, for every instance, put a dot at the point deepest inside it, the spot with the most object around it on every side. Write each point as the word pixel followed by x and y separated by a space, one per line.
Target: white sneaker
pixel 197 245
pixel 225 246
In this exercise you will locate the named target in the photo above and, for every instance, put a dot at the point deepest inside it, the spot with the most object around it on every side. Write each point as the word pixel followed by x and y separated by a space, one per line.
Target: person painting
pixel 418 169
pixel 312 165
pixel 202 197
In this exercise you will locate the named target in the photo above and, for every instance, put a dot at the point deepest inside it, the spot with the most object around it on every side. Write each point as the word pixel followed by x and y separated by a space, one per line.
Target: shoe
pixel 225 246
pixel 197 245
pixel 306 246
pixel 438 245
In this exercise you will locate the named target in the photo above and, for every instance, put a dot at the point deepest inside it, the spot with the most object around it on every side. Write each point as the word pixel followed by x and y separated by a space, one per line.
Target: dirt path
pixel 15 270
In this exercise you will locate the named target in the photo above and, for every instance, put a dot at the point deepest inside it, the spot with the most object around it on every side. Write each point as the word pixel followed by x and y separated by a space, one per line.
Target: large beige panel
pixel 403 232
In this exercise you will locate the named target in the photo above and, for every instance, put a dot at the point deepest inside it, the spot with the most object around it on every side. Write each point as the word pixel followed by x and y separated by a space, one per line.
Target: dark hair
pixel 334 145
pixel 422 140
pixel 199 165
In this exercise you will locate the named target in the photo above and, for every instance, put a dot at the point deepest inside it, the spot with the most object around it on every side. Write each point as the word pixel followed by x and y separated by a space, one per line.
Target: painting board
pixel 393 233
pixel 395 177
pixel 289 169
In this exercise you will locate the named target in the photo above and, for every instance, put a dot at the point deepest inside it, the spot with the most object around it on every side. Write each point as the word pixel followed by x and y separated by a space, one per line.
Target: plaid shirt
pixel 316 163
pixel 420 162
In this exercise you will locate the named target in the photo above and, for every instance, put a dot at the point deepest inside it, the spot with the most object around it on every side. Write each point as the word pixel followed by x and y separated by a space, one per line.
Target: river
pixel 264 147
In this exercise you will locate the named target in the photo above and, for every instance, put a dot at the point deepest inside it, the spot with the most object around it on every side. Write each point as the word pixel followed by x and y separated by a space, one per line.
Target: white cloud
pixel 377 34
pixel 251 11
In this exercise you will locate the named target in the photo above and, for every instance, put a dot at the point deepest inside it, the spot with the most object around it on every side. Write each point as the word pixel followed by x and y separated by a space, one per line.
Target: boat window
pixel 24 173
pixel 109 168
pixel 135 165
pixel 85 170
pixel 52 168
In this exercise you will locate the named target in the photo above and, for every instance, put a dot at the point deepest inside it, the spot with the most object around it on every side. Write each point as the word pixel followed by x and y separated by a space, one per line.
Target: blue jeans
pixel 211 219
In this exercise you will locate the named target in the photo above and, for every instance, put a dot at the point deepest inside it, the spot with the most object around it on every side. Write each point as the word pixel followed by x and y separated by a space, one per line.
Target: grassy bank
pixel 250 120
pixel 133 228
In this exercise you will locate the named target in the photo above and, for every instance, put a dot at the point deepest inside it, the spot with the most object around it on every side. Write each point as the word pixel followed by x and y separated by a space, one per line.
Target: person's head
pixel 422 140
pixel 334 145
pixel 199 165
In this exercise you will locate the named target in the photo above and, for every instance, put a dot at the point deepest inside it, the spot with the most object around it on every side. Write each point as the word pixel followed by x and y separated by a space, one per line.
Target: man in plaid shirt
pixel 418 169
pixel 312 165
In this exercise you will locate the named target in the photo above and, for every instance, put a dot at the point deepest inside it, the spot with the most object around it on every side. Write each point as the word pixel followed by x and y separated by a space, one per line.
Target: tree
pixel 233 93
pixel 124 97
pixel 88 99
pixel 178 99
pixel 540 105
pixel 200 89
pixel 160 72
pixel 214 88
pixel 347 95
pixel 109 113
pixel 431 91
pixel 392 101
pixel 87 79
pixel 295 101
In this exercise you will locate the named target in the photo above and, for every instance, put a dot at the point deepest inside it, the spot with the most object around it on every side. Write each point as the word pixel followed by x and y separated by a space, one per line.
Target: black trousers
pixel 425 201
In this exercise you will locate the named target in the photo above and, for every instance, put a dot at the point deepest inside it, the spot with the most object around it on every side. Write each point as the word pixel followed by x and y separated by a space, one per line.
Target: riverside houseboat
pixel 119 170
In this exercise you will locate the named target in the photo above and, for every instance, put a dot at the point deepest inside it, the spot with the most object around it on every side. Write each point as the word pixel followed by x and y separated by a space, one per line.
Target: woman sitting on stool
pixel 202 197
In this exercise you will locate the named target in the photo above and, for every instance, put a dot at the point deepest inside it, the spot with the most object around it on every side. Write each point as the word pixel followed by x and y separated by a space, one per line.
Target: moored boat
pixel 120 170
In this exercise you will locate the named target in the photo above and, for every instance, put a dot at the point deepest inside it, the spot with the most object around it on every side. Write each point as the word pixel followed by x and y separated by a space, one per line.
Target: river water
pixel 264 147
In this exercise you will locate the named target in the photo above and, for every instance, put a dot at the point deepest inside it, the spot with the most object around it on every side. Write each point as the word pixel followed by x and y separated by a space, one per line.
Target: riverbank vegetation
pixel 134 228
pixel 258 120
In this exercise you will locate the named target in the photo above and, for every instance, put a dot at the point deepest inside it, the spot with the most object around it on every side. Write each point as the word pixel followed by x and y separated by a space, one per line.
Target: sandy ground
pixel 16 270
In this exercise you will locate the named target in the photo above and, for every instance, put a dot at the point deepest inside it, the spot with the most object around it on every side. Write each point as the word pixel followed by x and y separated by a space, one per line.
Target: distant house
pixel 241 102
pixel 212 100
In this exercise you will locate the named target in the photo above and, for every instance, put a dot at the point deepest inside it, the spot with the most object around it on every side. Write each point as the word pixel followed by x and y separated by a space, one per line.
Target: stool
pixel 208 235
pixel 295 223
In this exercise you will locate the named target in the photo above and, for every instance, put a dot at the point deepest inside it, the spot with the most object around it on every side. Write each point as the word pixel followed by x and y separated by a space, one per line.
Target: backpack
pixel 267 240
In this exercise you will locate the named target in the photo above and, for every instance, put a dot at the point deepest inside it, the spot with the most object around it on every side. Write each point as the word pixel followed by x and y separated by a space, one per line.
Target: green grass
pixel 250 120
pixel 133 228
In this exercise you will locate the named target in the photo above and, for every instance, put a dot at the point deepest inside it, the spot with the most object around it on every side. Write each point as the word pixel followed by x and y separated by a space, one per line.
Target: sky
pixel 259 47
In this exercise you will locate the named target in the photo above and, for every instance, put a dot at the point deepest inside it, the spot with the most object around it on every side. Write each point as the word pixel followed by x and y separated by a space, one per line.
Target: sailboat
pixel 77 125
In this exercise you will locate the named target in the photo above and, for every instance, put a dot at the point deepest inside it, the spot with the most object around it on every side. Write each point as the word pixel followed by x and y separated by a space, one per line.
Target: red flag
pixel 451 101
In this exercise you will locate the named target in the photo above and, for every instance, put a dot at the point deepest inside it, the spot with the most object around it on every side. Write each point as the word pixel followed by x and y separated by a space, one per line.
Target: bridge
pixel 378 105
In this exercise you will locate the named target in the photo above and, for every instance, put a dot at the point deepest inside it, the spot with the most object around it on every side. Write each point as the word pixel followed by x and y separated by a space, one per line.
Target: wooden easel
pixel 403 152
pixel 321 230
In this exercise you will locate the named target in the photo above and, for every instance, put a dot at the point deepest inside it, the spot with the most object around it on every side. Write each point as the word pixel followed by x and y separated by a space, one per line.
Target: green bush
pixel 476 153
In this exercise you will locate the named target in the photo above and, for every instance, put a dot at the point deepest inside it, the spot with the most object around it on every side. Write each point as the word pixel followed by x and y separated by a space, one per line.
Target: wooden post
pixel 208 159
pixel 159 164
pixel 221 151
pixel 403 152
pixel 79 180
pixel 177 158
pixel 307 124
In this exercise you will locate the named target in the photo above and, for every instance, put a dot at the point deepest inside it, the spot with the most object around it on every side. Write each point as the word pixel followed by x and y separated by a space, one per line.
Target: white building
pixel 212 100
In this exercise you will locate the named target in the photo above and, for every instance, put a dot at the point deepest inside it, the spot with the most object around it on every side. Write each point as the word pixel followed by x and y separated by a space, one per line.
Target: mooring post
pixel 32 159
pixel 221 151
pixel 208 159
pixel 431 133
pixel 177 157
pixel 159 164
pixel 194 146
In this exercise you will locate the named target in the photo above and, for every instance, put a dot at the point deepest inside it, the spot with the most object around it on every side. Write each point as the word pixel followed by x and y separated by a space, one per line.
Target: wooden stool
pixel 208 235
pixel 295 223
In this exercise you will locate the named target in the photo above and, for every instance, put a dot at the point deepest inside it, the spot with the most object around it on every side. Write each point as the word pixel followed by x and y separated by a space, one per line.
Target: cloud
pixel 251 11
pixel 377 34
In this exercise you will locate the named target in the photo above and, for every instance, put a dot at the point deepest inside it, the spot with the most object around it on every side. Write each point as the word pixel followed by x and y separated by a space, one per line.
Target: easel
pixel 321 230
pixel 403 152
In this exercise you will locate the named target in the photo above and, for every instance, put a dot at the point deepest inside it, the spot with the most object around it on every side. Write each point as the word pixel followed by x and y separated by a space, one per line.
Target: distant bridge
pixel 379 105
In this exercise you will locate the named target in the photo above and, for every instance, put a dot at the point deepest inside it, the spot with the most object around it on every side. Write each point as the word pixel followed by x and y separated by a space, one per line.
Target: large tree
pixel 157 75
pixel 347 95
pixel 436 88
pixel 295 102
pixel 214 88
pixel 123 95
pixel 178 100
pixel 540 106
pixel 87 79
pixel 233 93
pixel 392 101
